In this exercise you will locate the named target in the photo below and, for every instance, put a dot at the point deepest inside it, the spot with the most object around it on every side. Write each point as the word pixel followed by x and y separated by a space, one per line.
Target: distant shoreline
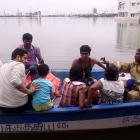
pixel 62 15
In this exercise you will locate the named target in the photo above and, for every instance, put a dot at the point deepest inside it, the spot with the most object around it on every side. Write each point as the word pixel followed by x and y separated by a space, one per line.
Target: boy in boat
pixel 111 90
pixel 73 90
pixel 134 69
pixel 87 63
pixel 13 93
pixel 42 99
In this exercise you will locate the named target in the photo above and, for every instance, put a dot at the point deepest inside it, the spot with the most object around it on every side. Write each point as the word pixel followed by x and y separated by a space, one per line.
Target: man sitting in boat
pixel 73 90
pixel 34 54
pixel 134 69
pixel 87 64
pixel 111 90
pixel 42 99
pixel 13 93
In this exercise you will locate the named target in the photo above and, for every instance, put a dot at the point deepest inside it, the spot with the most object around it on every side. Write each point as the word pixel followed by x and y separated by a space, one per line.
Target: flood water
pixel 59 39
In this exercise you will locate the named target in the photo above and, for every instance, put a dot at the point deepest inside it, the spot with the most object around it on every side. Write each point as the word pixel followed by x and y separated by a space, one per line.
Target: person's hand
pixel 122 75
pixel 33 88
pixel 103 60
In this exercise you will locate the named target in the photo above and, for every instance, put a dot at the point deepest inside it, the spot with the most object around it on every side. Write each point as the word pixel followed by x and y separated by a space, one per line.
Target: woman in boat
pixel 111 90
pixel 42 99
pixel 87 63
pixel 73 90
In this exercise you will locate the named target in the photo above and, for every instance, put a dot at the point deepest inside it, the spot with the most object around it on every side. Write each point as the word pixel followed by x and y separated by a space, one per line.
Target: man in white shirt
pixel 13 93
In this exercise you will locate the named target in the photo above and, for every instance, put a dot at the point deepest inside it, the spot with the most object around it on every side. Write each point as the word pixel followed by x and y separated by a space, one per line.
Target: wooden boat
pixel 67 119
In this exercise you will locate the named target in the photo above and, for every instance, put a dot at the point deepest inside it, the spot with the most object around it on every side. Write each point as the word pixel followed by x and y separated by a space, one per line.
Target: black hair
pixel 33 69
pixel 112 73
pixel 76 73
pixel 85 48
pixel 18 51
pixel 27 36
pixel 138 50
pixel 43 69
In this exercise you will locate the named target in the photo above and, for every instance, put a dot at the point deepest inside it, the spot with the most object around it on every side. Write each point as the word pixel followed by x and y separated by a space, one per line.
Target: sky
pixel 57 6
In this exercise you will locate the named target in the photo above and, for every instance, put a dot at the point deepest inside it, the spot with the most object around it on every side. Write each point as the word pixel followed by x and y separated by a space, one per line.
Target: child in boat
pixel 111 89
pixel 133 85
pixel 42 99
pixel 73 90
pixel 33 74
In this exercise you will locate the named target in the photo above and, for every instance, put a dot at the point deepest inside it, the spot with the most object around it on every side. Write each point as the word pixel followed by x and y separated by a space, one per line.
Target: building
pixel 129 9
pixel 33 14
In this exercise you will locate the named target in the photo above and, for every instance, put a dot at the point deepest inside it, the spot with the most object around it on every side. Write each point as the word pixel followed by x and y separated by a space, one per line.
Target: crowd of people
pixel 79 89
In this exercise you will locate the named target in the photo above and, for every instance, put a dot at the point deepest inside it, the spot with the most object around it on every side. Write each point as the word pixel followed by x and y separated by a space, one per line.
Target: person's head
pixel 27 40
pixel 137 56
pixel 43 70
pixel 112 73
pixel 85 51
pixel 76 73
pixel 33 72
pixel 20 55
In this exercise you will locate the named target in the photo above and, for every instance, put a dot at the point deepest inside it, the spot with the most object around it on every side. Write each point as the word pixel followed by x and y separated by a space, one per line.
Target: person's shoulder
pixel 93 60
pixel 35 47
pixel 20 46
pixel 75 61
pixel 37 80
pixel 48 82
pixel 16 63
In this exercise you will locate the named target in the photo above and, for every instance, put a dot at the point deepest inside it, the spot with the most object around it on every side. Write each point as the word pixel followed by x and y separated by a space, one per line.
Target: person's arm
pixel 92 90
pixel 100 64
pixel 25 90
pixel 81 98
pixel 52 96
pixel 39 57
pixel 17 79
pixel 52 91
pixel 74 63
pixel 123 67
pixel 95 61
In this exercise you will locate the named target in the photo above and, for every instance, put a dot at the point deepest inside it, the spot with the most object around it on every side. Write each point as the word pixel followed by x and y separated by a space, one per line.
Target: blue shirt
pixel 42 96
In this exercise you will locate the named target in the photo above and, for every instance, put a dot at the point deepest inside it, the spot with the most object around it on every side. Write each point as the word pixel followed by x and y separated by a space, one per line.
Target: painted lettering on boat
pixel 131 119
pixel 33 127
pixel 117 122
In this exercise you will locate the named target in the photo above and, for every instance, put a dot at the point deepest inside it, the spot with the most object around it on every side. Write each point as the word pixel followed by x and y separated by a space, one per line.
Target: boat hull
pixel 72 119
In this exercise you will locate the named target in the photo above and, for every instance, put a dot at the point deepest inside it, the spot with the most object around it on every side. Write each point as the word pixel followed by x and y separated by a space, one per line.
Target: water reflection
pixel 94 19
pixel 128 35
